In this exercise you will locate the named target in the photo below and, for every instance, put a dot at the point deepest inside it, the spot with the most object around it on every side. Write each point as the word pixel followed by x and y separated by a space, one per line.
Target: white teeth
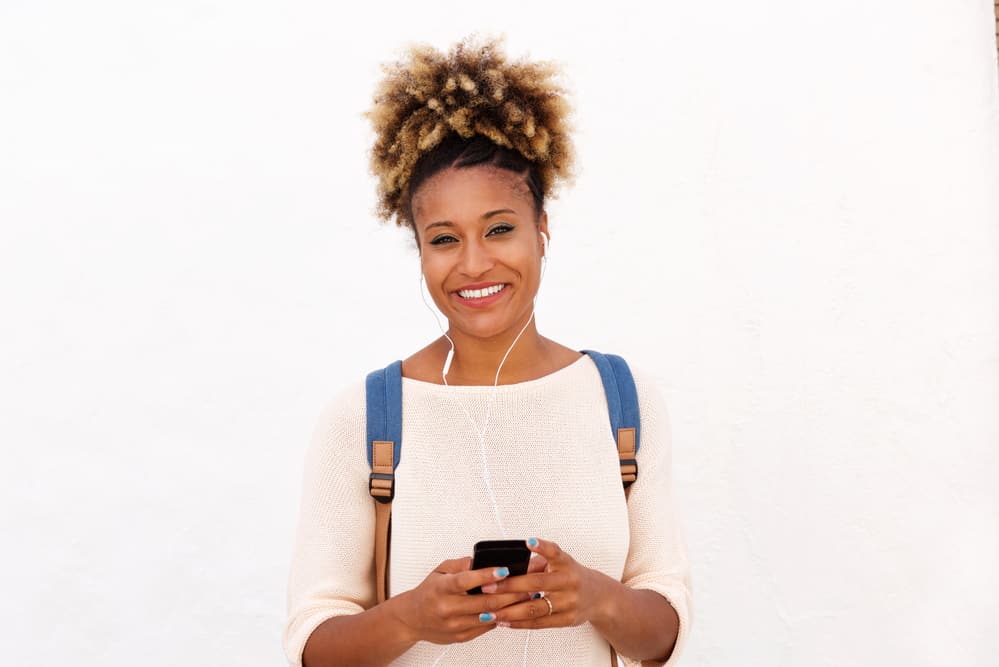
pixel 479 293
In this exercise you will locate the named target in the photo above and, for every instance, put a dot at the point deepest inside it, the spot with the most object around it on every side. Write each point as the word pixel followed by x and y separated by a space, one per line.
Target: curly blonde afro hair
pixel 468 106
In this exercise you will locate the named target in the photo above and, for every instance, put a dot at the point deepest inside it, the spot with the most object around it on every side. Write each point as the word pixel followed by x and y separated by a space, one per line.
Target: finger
pixel 530 583
pixel 494 588
pixel 530 611
pixel 553 621
pixel 454 566
pixel 473 605
pixel 465 581
pixel 467 626
pixel 538 564
pixel 551 551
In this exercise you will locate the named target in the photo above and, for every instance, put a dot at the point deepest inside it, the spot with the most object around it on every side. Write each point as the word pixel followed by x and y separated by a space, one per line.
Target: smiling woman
pixel 481 249
pixel 505 430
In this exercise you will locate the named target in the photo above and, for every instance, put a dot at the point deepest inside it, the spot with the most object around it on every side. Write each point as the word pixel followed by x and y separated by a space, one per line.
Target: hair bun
pixel 473 89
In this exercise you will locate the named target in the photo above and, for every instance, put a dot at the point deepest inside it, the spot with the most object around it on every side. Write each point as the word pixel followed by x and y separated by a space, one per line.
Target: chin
pixel 480 330
pixel 488 327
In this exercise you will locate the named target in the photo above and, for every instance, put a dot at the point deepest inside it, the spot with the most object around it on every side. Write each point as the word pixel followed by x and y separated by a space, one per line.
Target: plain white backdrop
pixel 786 211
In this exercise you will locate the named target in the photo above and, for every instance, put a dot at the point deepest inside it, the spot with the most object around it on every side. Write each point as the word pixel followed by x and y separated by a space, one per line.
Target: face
pixel 480 248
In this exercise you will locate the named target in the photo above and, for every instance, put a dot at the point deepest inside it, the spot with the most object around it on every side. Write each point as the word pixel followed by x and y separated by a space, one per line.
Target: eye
pixel 444 239
pixel 501 228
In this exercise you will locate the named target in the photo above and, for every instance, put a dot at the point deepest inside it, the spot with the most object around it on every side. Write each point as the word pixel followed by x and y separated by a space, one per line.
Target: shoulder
pixel 651 400
pixel 655 437
pixel 340 427
pixel 650 394
pixel 655 448
pixel 348 404
pixel 646 384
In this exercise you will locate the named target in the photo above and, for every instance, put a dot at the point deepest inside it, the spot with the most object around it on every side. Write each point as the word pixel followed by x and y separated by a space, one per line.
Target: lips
pixel 480 294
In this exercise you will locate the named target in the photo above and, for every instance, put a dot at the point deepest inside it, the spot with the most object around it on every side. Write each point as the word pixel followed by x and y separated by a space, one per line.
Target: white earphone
pixel 481 432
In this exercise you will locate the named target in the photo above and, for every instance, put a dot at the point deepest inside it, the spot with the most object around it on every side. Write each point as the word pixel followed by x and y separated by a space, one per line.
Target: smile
pixel 481 293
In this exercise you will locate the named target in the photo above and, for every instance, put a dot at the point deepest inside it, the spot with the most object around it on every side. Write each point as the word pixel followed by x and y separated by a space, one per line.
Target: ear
pixel 416 239
pixel 543 230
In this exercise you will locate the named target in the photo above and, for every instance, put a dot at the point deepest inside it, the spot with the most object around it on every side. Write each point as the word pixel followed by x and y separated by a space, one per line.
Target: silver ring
pixel 550 608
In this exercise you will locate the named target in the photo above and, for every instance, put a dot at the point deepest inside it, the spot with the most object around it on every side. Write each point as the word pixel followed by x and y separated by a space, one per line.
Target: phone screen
pixel 512 554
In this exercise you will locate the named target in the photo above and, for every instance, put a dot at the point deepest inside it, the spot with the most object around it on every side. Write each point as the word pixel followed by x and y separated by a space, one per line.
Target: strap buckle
pixel 381 486
pixel 629 471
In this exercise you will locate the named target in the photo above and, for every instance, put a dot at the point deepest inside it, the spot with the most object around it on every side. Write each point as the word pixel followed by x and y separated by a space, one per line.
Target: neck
pixel 477 359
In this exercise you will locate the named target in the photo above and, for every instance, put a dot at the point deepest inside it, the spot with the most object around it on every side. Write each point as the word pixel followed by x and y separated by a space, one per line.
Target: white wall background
pixel 792 207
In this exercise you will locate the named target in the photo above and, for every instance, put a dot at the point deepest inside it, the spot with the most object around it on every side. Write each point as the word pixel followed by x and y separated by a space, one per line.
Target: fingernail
pixel 501 572
pixel 486 617
pixel 489 588
pixel 502 624
pixel 532 542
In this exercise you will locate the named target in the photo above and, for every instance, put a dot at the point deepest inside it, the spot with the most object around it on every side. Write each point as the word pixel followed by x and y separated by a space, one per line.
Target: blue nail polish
pixel 502 572
pixel 486 617
pixel 533 542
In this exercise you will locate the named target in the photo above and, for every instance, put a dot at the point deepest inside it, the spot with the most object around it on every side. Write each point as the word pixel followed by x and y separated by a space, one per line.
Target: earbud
pixel 544 261
pixel 450 353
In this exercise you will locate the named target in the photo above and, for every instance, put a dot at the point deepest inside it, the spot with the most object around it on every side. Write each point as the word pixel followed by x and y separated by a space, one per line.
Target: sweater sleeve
pixel 332 567
pixel 657 556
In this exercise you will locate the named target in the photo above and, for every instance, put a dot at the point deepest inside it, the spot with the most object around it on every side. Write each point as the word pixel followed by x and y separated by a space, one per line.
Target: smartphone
pixel 512 554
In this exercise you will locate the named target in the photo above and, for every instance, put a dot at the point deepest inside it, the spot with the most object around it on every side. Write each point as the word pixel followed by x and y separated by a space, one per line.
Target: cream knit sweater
pixel 552 463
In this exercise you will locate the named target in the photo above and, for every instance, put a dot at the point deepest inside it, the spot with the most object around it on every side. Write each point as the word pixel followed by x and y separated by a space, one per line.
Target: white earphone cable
pixel 481 434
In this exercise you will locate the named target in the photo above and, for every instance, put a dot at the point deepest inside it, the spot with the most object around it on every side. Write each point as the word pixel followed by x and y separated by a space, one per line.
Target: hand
pixel 536 564
pixel 574 591
pixel 440 611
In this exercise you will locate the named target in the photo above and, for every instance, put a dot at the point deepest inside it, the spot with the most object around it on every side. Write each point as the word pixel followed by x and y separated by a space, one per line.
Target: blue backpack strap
pixel 383 394
pixel 622 406
pixel 383 397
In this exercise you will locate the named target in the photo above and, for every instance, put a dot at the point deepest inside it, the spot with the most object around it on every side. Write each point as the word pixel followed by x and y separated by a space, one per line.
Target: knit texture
pixel 552 464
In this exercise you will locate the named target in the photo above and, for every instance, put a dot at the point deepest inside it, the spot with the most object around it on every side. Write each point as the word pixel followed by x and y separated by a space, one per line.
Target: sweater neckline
pixel 515 386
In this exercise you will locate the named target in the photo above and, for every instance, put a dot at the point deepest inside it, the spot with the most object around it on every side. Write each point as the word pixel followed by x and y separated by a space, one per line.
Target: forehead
pixel 465 194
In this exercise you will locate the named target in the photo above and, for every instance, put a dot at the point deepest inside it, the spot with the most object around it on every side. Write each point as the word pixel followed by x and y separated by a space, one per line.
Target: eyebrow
pixel 485 216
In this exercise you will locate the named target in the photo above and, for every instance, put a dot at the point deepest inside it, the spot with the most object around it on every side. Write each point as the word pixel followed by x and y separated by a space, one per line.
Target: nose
pixel 475 258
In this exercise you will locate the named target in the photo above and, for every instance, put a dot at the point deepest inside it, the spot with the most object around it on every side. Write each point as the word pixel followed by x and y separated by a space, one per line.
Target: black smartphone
pixel 512 554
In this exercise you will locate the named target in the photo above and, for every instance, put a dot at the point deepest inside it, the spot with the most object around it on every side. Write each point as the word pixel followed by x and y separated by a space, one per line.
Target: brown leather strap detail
pixel 381 488
pixel 382 459
pixel 626 443
pixel 629 473
pixel 383 519
pixel 382 455
pixel 626 452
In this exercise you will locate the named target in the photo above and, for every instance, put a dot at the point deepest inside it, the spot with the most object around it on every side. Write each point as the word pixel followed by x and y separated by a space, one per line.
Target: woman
pixel 505 431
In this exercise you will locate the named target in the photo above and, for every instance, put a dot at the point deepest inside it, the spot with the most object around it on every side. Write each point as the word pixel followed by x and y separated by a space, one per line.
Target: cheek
pixel 433 273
